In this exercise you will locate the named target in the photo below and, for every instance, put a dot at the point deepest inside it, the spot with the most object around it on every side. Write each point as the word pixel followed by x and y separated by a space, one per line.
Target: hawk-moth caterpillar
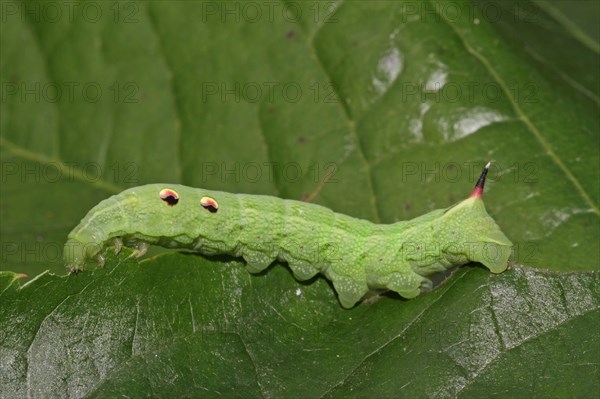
pixel 358 256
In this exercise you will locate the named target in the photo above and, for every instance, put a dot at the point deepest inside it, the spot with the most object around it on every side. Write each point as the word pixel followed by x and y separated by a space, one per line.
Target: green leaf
pixel 273 106
pixel 380 110
pixel 181 325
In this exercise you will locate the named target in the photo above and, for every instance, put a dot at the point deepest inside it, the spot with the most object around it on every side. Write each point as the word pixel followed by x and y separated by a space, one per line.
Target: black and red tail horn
pixel 478 189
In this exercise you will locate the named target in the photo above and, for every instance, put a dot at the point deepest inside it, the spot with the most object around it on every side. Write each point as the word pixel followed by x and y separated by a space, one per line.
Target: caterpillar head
pixel 166 215
pixel 76 252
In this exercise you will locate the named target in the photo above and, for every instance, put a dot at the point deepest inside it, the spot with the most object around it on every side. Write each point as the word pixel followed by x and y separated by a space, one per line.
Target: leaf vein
pixel 351 125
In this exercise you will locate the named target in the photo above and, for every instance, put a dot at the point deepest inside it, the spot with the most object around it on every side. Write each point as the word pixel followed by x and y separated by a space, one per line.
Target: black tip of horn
pixel 478 190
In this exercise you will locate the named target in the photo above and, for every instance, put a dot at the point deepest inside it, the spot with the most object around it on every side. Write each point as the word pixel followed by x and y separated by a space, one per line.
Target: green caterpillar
pixel 356 255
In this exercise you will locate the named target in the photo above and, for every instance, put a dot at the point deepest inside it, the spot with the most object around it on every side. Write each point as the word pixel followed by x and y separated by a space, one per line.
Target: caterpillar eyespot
pixel 169 196
pixel 209 203
pixel 356 255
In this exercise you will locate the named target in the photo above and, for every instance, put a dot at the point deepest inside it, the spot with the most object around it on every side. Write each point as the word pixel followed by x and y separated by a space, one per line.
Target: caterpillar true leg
pixel 101 260
pixel 140 249
pixel 118 245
